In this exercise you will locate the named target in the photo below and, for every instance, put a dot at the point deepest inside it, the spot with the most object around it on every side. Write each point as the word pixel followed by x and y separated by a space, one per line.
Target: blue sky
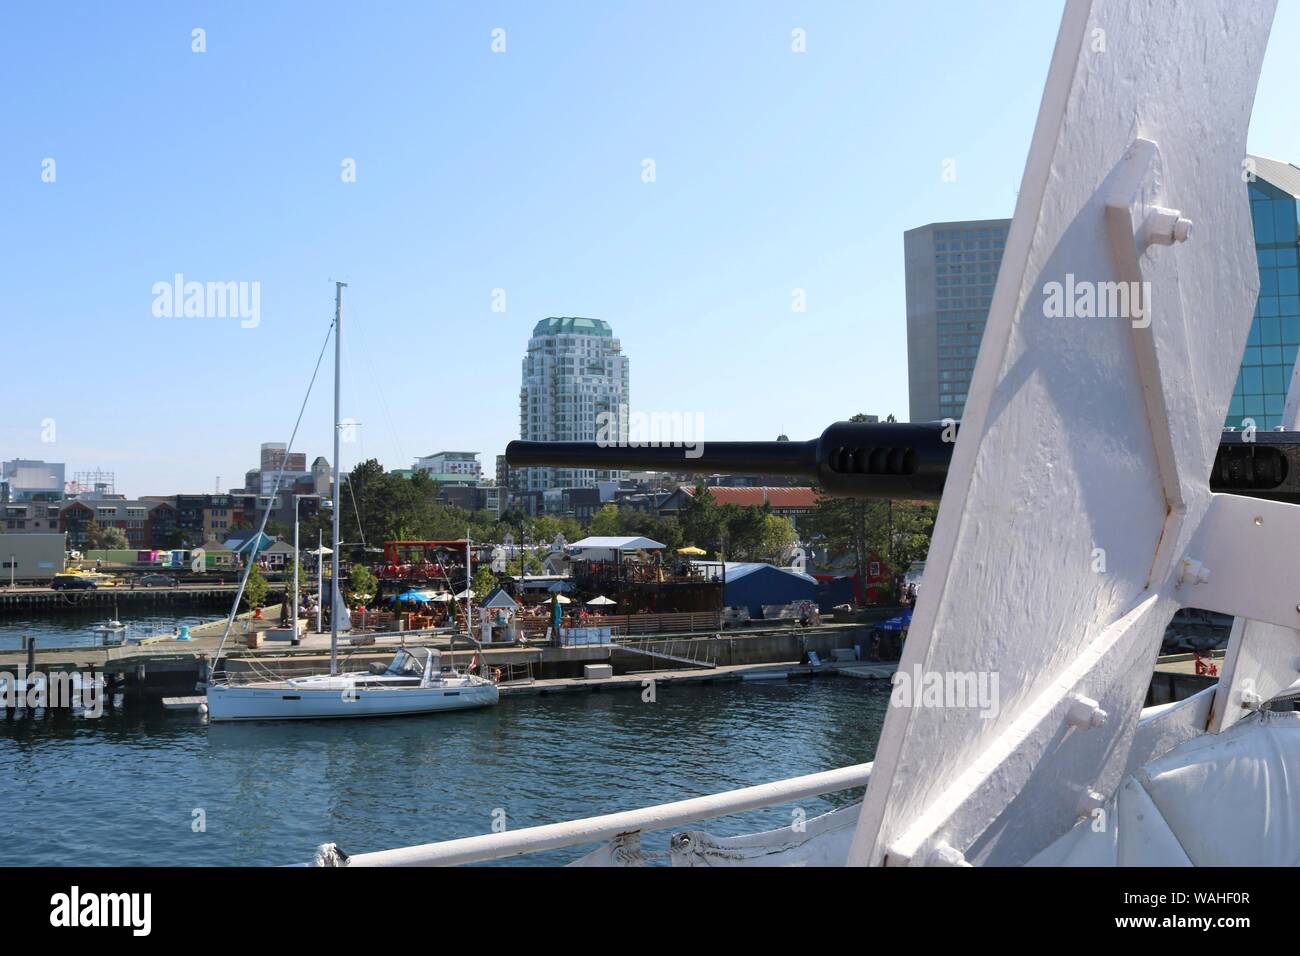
pixel 522 170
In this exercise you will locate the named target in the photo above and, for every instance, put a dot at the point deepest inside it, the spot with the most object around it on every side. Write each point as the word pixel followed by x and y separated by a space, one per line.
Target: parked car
pixel 155 580
pixel 73 582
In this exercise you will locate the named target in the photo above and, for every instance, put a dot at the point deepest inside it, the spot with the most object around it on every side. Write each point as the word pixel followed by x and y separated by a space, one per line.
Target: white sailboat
pixel 406 686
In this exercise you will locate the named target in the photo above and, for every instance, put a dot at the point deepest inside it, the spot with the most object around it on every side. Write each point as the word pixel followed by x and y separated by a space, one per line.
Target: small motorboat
pixel 112 631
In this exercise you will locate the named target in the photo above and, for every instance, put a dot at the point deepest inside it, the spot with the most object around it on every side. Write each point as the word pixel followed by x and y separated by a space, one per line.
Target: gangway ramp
pixel 648 649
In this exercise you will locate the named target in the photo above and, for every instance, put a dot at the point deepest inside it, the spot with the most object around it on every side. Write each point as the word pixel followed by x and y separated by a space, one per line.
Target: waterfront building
pixel 462 463
pixel 322 477
pixel 950 269
pixel 25 479
pixel 480 496
pixel 202 518
pixel 574 388
pixel 505 475
pixel 276 453
pixel 273 456
pixel 1266 366
pixel 36 515
pixel 147 524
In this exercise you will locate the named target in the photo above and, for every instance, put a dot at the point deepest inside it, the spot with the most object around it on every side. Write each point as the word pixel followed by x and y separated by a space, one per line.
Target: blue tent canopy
pixel 900 623
pixel 422 597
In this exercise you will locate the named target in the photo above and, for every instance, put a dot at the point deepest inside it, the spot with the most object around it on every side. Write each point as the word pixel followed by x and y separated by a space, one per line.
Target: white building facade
pixel 575 388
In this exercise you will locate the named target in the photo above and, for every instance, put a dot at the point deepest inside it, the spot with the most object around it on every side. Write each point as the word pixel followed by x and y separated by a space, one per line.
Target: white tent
pixel 617 543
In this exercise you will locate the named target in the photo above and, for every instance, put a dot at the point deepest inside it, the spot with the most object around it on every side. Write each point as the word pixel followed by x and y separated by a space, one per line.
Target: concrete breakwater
pixel 40 601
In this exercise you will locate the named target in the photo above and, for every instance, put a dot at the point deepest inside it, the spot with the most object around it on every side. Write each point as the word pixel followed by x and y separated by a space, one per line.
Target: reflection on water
pixel 130 788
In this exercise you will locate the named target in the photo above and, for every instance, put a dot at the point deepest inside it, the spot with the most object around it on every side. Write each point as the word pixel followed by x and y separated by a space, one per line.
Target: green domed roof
pixel 573 326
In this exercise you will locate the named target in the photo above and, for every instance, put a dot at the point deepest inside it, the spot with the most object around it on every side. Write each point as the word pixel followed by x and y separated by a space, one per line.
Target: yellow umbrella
pixel 691 549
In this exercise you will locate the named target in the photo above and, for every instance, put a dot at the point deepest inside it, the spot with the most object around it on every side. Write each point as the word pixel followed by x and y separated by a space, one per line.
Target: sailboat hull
pixel 285 702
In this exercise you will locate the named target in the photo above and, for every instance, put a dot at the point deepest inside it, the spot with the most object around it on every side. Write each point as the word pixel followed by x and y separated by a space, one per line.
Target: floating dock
pixel 164 667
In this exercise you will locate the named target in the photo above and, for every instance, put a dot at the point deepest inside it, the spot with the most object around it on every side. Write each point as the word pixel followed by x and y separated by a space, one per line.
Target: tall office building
pixel 575 381
pixel 950 268
pixel 1270 355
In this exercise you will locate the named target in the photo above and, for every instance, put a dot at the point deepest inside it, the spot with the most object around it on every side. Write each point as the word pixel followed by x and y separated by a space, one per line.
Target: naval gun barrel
pixel 850 459
pixel 892 460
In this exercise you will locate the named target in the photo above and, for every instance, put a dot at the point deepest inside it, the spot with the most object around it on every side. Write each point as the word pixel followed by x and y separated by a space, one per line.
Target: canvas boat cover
pixel 1169 813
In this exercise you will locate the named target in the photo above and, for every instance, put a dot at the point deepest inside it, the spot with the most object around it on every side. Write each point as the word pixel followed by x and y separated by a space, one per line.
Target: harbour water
pixel 142 786
pixel 72 628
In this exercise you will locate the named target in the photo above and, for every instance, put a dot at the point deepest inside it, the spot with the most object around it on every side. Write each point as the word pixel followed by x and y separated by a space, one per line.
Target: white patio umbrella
pixel 601 600
pixel 561 599
pixel 464 594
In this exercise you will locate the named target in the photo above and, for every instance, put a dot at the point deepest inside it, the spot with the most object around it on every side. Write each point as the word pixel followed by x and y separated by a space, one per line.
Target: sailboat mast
pixel 469 598
pixel 338 481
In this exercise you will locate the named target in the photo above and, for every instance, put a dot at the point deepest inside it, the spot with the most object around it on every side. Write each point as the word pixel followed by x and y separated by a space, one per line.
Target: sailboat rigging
pixel 406 686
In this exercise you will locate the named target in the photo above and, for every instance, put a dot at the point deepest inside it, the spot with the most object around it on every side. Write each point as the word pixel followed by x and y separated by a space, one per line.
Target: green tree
pixel 778 540
pixel 742 533
pixel 667 531
pixel 100 538
pixel 605 522
pixel 545 527
pixel 702 520
pixel 256 590
pixel 484 582
pixel 361 581
pixel 912 526
pixel 846 526
pixel 528 563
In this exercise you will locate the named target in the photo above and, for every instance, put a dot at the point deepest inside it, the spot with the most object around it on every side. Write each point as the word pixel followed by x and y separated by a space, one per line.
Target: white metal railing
pixel 553 836
pixel 694 653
